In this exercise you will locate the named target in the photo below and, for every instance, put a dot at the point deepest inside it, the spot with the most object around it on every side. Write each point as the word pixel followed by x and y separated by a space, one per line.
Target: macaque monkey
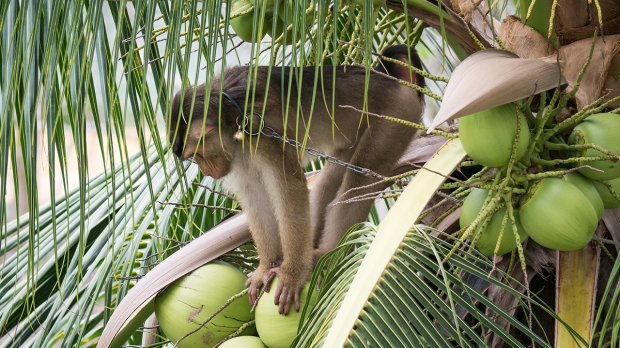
pixel 292 227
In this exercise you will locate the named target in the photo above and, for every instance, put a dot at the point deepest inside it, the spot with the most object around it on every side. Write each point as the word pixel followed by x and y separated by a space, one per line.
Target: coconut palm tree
pixel 84 254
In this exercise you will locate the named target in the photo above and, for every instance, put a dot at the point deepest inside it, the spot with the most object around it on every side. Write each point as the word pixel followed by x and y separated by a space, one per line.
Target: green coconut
pixel 244 342
pixel 192 299
pixel 586 186
pixel 275 32
pixel 289 6
pixel 601 130
pixel 557 215
pixel 609 201
pixel 488 238
pixel 487 136
pixel 244 25
pixel 277 330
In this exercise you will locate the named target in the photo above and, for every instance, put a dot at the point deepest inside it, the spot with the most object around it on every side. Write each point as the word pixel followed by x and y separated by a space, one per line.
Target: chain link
pixel 271 133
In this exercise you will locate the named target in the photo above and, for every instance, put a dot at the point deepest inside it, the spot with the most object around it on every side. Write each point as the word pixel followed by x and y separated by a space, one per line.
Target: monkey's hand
pixel 291 279
pixel 262 276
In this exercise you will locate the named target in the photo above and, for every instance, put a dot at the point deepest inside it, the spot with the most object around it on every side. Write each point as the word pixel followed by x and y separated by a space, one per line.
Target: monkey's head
pixel 198 132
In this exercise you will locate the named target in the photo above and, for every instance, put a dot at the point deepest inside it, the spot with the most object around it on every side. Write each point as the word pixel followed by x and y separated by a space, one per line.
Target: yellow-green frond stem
pixel 452 197
pixel 511 265
pixel 599 12
pixel 452 185
pixel 416 33
pixel 476 40
pixel 611 189
pixel 238 332
pixel 501 233
pixel 554 6
pixel 577 83
pixel 389 21
pixel 536 142
pixel 483 226
pixel 389 41
pixel 536 14
pixel 515 146
pixel 403 122
pixel 468 164
pixel 417 71
pixel 498 40
pixel 525 109
pixel 548 174
pixel 567 147
pixel 605 251
pixel 556 162
pixel 578 117
pixel 521 256
pixel 401 176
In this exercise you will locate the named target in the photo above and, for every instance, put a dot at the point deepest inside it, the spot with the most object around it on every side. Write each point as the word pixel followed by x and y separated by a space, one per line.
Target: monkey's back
pixel 335 95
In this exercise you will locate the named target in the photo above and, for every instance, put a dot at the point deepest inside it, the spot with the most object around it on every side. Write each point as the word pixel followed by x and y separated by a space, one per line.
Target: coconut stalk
pixel 575 287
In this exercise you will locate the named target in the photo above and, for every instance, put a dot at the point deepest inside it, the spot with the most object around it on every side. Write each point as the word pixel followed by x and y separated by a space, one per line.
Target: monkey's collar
pixel 245 122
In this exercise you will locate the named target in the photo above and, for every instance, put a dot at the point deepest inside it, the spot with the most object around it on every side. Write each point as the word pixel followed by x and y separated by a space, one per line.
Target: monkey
pixel 292 227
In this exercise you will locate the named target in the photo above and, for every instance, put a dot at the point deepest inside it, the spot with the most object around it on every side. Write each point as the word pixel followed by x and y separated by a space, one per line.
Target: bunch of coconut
pixel 546 172
pixel 253 19
pixel 540 179
pixel 208 307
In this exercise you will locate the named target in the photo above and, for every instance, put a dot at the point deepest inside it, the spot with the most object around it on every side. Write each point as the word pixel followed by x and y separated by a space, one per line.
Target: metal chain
pixel 314 152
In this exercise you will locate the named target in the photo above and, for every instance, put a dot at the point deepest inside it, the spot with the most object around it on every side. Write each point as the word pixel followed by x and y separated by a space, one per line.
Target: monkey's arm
pixel 246 180
pixel 285 183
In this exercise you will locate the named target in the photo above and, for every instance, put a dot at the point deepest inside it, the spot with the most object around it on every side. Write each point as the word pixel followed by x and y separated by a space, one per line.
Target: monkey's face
pixel 212 154
pixel 205 140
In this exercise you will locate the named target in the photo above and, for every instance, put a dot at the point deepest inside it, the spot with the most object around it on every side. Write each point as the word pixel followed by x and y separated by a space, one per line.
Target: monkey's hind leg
pixel 324 192
pixel 376 154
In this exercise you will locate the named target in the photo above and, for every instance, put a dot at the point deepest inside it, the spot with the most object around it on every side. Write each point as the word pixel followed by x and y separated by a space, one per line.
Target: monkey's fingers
pixel 254 283
pixel 252 295
pixel 284 297
pixel 248 281
pixel 297 306
pixel 257 298
pixel 266 284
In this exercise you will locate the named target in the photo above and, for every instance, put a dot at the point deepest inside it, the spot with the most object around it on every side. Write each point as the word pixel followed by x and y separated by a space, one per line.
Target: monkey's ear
pixel 403 73
pixel 199 129
pixel 406 55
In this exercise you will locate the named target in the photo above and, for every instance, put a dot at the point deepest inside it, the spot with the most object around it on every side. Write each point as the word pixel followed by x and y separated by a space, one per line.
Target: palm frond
pixel 418 300
pixel 79 79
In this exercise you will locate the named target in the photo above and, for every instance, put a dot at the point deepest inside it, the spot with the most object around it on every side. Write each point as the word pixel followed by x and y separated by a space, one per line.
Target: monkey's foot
pixel 261 277
pixel 290 283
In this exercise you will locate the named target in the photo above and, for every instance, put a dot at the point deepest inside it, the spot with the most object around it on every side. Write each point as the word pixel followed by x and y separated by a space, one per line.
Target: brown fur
pixel 291 233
